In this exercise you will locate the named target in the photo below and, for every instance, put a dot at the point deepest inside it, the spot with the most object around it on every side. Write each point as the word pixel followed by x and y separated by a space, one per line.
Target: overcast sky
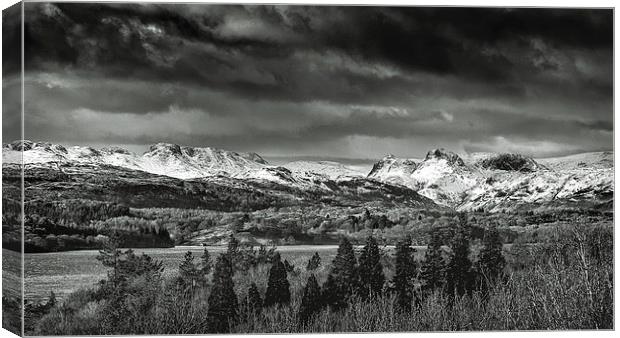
pixel 352 82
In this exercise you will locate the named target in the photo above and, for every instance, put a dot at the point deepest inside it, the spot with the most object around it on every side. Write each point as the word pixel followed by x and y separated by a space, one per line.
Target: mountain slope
pixel 442 176
pixel 162 158
pixel 331 170
pixel 328 182
pixel 501 181
pixel 492 182
pixel 183 162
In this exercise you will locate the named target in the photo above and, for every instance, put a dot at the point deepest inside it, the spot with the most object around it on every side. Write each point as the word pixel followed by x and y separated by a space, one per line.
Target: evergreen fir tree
pixel 233 251
pixel 314 262
pixel 223 306
pixel 433 268
pixel 125 265
pixel 51 301
pixel 190 275
pixel 278 286
pixel 311 301
pixel 459 278
pixel 370 269
pixel 288 266
pixel 206 264
pixel 255 302
pixel 344 266
pixel 344 279
pixel 491 260
pixel 404 274
pixel 330 295
pixel 110 256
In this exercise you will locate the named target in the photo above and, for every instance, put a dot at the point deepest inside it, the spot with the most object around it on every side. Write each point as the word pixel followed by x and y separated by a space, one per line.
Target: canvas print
pixel 212 168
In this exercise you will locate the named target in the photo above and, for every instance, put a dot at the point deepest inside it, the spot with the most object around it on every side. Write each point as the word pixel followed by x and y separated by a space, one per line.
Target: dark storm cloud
pixel 318 79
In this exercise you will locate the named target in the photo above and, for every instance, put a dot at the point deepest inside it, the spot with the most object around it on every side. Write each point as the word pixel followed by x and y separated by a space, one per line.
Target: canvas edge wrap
pixel 12 77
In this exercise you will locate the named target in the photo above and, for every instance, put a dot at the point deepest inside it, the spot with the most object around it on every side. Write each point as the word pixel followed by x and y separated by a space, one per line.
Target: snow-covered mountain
pixel 497 181
pixel 183 162
pixel 480 180
pixel 393 169
pixel 442 176
pixel 162 158
pixel 329 169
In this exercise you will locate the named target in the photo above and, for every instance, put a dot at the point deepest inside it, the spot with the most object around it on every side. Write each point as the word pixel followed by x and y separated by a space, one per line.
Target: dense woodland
pixel 71 208
pixel 86 224
pixel 459 283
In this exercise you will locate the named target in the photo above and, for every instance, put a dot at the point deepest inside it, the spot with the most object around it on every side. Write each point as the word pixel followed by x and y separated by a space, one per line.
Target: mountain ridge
pixel 479 180
pixel 499 181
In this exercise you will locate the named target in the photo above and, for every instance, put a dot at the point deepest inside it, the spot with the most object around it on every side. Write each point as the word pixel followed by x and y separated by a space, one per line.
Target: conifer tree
pixel 491 260
pixel 51 301
pixel 311 301
pixel 206 264
pixel 223 306
pixel 344 266
pixel 370 269
pixel 433 268
pixel 459 278
pixel 278 286
pixel 314 262
pixel 110 256
pixel 404 274
pixel 344 276
pixel 330 295
pixel 288 266
pixel 255 302
pixel 190 275
pixel 233 251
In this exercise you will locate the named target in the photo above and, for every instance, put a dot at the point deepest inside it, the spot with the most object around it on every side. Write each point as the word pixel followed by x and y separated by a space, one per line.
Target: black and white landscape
pixel 289 169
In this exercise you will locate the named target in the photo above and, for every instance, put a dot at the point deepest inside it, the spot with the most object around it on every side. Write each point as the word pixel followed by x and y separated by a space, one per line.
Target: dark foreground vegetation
pixel 460 283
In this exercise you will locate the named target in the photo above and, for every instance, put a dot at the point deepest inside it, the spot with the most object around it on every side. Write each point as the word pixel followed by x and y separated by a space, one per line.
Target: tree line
pixel 350 276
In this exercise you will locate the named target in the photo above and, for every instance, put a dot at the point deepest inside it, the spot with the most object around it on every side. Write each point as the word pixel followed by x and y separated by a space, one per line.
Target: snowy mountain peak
pixel 164 149
pixel 331 170
pixel 495 181
pixel 161 158
pixel 442 154
pixel 489 181
pixel 254 157
pixel 115 150
pixel 393 166
pixel 511 162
